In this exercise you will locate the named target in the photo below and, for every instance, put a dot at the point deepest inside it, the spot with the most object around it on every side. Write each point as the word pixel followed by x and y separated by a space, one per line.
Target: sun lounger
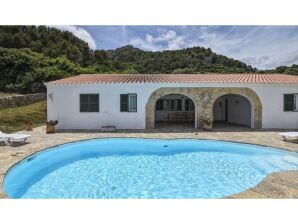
pixel 9 139
pixel 288 135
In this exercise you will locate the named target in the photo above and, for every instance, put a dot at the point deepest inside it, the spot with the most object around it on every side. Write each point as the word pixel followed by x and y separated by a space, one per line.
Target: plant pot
pixel 50 129
pixel 29 127
pixel 207 127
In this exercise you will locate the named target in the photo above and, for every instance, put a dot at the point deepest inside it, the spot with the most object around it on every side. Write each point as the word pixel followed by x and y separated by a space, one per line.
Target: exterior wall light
pixel 51 96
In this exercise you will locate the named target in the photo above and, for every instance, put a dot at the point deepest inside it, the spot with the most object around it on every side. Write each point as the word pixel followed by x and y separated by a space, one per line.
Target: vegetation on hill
pixel 31 55
pixel 15 119
pixel 49 41
pixel 190 60
pixel 22 70
pixel 292 70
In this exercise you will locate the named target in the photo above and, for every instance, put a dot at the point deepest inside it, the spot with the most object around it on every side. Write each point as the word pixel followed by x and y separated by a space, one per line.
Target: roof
pixel 177 78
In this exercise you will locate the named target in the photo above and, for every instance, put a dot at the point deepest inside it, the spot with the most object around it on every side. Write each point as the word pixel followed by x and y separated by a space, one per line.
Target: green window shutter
pixel 84 103
pixel 123 102
pixel 288 102
pixel 94 98
pixel 89 102
pixel 94 103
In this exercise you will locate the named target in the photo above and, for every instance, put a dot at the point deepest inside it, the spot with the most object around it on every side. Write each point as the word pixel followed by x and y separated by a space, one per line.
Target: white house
pixel 139 101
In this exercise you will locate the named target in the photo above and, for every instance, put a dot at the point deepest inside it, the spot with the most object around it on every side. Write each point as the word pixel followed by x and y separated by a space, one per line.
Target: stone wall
pixel 21 100
pixel 204 99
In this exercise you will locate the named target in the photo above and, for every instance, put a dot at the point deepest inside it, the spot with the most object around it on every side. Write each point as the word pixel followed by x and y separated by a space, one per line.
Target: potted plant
pixel 207 123
pixel 29 126
pixel 51 126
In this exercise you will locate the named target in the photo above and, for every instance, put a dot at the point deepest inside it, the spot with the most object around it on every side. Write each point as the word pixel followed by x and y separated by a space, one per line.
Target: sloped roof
pixel 177 78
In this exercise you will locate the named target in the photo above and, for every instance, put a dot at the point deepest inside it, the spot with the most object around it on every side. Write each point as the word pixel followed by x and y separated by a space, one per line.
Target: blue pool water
pixel 145 168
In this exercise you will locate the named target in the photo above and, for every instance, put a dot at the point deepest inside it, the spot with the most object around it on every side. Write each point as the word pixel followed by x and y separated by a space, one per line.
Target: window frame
pixel 159 105
pixel 172 105
pixel 294 105
pixel 89 103
pixel 191 105
pixel 128 107
pixel 136 99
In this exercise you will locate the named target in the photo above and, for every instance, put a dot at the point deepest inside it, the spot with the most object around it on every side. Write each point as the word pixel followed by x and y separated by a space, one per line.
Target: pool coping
pixel 250 193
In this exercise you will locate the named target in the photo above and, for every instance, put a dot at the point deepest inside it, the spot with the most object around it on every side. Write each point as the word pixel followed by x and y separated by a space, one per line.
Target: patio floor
pixel 276 185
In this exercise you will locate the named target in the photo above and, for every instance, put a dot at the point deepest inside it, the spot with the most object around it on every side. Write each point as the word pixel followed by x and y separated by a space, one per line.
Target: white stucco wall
pixel 239 110
pixel 65 104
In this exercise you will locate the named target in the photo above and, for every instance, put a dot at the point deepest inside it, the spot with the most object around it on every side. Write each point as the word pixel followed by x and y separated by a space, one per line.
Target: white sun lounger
pixel 287 135
pixel 9 139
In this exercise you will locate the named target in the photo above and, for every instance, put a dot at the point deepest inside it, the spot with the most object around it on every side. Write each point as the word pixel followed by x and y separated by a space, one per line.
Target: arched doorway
pixel 204 98
pixel 233 110
pixel 174 111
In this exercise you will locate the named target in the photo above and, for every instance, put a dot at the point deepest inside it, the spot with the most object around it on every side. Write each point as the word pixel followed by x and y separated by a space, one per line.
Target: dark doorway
pixel 174 111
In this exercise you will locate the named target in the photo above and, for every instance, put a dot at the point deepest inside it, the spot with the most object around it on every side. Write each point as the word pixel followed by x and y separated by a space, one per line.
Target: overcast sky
pixel 263 47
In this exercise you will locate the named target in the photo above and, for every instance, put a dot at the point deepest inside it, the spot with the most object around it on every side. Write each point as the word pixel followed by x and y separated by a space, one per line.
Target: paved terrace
pixel 276 185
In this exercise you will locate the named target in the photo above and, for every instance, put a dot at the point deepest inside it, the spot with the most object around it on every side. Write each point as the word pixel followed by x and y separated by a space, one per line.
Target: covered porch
pixel 232 107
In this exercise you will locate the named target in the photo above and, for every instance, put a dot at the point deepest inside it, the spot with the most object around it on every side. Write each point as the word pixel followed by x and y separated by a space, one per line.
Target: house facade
pixel 145 101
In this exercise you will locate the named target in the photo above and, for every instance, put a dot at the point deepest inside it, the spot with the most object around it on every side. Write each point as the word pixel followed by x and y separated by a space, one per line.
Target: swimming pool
pixel 145 168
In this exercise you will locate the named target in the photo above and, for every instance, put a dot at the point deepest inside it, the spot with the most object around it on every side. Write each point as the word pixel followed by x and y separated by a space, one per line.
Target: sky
pixel 263 47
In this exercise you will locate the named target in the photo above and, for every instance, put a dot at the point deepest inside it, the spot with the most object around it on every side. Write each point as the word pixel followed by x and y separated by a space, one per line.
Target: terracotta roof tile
pixel 178 78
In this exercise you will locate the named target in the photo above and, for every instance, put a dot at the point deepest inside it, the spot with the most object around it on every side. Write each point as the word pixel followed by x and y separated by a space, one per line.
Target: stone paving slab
pixel 249 194
pixel 2 194
pixel 39 140
pixel 276 185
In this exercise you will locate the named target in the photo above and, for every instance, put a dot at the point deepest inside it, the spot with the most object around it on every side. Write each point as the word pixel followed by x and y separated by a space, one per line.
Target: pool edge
pixel 247 194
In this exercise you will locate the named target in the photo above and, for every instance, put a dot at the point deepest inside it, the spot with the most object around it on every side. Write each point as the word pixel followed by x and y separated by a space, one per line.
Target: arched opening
pixel 233 110
pixel 175 111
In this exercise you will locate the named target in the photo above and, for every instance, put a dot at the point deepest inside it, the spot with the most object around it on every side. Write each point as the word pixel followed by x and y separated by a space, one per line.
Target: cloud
pixel 164 40
pixel 80 33
pixel 267 62
pixel 263 47
pixel 257 61
pixel 144 44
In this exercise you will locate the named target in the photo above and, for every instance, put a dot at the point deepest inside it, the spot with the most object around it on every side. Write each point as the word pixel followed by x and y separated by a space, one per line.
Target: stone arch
pixel 233 108
pixel 150 106
pixel 204 98
pixel 250 95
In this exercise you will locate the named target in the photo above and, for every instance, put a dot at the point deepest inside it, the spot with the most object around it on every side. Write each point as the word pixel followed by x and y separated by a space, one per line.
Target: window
pixel 169 105
pixel 289 102
pixel 128 102
pixel 296 102
pixel 89 102
pixel 189 105
pixel 132 102
pixel 179 105
pixel 159 105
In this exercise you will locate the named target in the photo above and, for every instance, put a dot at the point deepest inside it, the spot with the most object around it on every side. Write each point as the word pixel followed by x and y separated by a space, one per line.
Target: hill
pixel 189 60
pixel 15 119
pixel 31 55
pixel 49 41
pixel 22 70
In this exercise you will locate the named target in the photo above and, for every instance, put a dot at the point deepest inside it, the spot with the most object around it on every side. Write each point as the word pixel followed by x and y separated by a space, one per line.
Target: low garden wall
pixel 21 100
